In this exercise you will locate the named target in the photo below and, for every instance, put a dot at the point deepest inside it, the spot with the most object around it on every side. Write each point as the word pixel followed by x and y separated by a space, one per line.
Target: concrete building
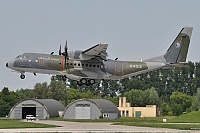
pixel 40 108
pixel 127 111
pixel 91 109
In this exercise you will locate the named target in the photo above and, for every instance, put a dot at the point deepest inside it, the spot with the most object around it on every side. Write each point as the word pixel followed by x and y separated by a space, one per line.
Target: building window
pixel 127 113
pixel 105 115
pixel 123 113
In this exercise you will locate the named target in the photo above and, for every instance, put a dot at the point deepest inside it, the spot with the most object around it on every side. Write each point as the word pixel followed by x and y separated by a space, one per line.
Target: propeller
pixel 60 50
pixel 66 53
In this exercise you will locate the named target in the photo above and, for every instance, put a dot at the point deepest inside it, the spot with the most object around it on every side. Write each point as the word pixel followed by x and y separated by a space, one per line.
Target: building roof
pixel 104 105
pixel 52 106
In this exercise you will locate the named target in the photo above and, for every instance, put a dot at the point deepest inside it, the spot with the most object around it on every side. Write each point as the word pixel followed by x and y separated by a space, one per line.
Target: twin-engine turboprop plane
pixel 87 66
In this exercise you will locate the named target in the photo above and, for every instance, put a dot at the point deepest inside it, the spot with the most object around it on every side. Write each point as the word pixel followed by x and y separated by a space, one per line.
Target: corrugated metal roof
pixel 106 106
pixel 52 106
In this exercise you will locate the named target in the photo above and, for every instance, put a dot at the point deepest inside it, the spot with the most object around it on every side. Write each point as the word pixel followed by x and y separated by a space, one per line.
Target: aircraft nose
pixel 10 64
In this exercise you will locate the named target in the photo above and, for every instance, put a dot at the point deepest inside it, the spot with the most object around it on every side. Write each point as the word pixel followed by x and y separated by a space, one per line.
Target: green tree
pixel 142 98
pixel 151 97
pixel 135 97
pixel 166 109
pixel 73 94
pixel 180 102
pixel 196 102
pixel 41 90
pixel 25 93
pixel 7 100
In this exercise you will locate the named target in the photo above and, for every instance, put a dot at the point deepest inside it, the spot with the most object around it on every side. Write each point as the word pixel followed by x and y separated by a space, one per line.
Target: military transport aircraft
pixel 87 66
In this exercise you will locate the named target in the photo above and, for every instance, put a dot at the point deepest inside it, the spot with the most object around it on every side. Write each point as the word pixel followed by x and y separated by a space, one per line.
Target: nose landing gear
pixel 22 76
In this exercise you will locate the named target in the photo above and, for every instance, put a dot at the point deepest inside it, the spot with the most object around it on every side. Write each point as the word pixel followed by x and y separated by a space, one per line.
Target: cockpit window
pixel 23 56
pixel 18 56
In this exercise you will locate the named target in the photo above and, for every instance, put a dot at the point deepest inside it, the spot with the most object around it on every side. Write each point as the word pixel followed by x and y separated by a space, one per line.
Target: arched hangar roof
pixel 52 106
pixel 104 105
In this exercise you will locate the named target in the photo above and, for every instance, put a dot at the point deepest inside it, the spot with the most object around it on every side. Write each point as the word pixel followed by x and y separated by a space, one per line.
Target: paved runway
pixel 90 127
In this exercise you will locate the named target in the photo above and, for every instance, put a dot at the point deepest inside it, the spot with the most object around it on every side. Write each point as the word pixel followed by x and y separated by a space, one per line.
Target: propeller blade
pixel 60 50
pixel 66 53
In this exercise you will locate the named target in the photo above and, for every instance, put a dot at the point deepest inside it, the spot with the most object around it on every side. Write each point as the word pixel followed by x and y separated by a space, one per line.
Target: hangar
pixel 91 109
pixel 40 108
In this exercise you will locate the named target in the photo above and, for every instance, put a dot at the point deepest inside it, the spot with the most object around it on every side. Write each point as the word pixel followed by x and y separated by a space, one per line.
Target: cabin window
pixel 78 64
pixel 82 64
pixel 97 66
pixel 67 64
pixel 94 65
pixel 71 64
pixel 90 65
pixel 74 64
pixel 86 65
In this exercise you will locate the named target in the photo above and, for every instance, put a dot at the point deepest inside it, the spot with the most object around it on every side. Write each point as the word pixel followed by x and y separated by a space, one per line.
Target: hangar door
pixel 82 111
pixel 28 111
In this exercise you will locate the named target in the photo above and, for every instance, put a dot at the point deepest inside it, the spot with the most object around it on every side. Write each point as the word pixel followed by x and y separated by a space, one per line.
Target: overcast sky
pixel 134 29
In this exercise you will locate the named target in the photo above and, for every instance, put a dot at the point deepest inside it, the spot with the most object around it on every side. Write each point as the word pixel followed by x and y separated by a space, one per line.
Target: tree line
pixel 174 90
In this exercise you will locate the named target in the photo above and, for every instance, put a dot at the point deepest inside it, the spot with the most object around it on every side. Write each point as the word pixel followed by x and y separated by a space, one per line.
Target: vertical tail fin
pixel 178 50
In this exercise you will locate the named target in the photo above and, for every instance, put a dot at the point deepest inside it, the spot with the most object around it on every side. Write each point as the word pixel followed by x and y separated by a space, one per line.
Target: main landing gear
pixel 86 82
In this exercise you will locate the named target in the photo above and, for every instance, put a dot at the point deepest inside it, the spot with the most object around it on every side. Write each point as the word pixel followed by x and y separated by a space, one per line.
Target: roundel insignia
pixel 177 45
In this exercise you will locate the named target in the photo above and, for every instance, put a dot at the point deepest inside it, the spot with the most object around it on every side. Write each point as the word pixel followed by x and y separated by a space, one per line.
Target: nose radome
pixel 6 64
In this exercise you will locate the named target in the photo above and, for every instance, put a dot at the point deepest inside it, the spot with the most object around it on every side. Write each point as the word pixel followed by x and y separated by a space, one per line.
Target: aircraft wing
pixel 97 51
pixel 86 73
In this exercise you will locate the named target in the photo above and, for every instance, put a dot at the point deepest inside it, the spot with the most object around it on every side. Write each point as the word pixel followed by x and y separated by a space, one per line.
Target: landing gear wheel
pixel 79 83
pixel 83 81
pixel 86 82
pixel 92 81
pixel 22 76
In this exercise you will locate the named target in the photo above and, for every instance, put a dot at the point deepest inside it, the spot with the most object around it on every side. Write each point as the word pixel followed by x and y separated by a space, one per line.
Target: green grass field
pixel 189 121
pixel 6 123
pixel 192 117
